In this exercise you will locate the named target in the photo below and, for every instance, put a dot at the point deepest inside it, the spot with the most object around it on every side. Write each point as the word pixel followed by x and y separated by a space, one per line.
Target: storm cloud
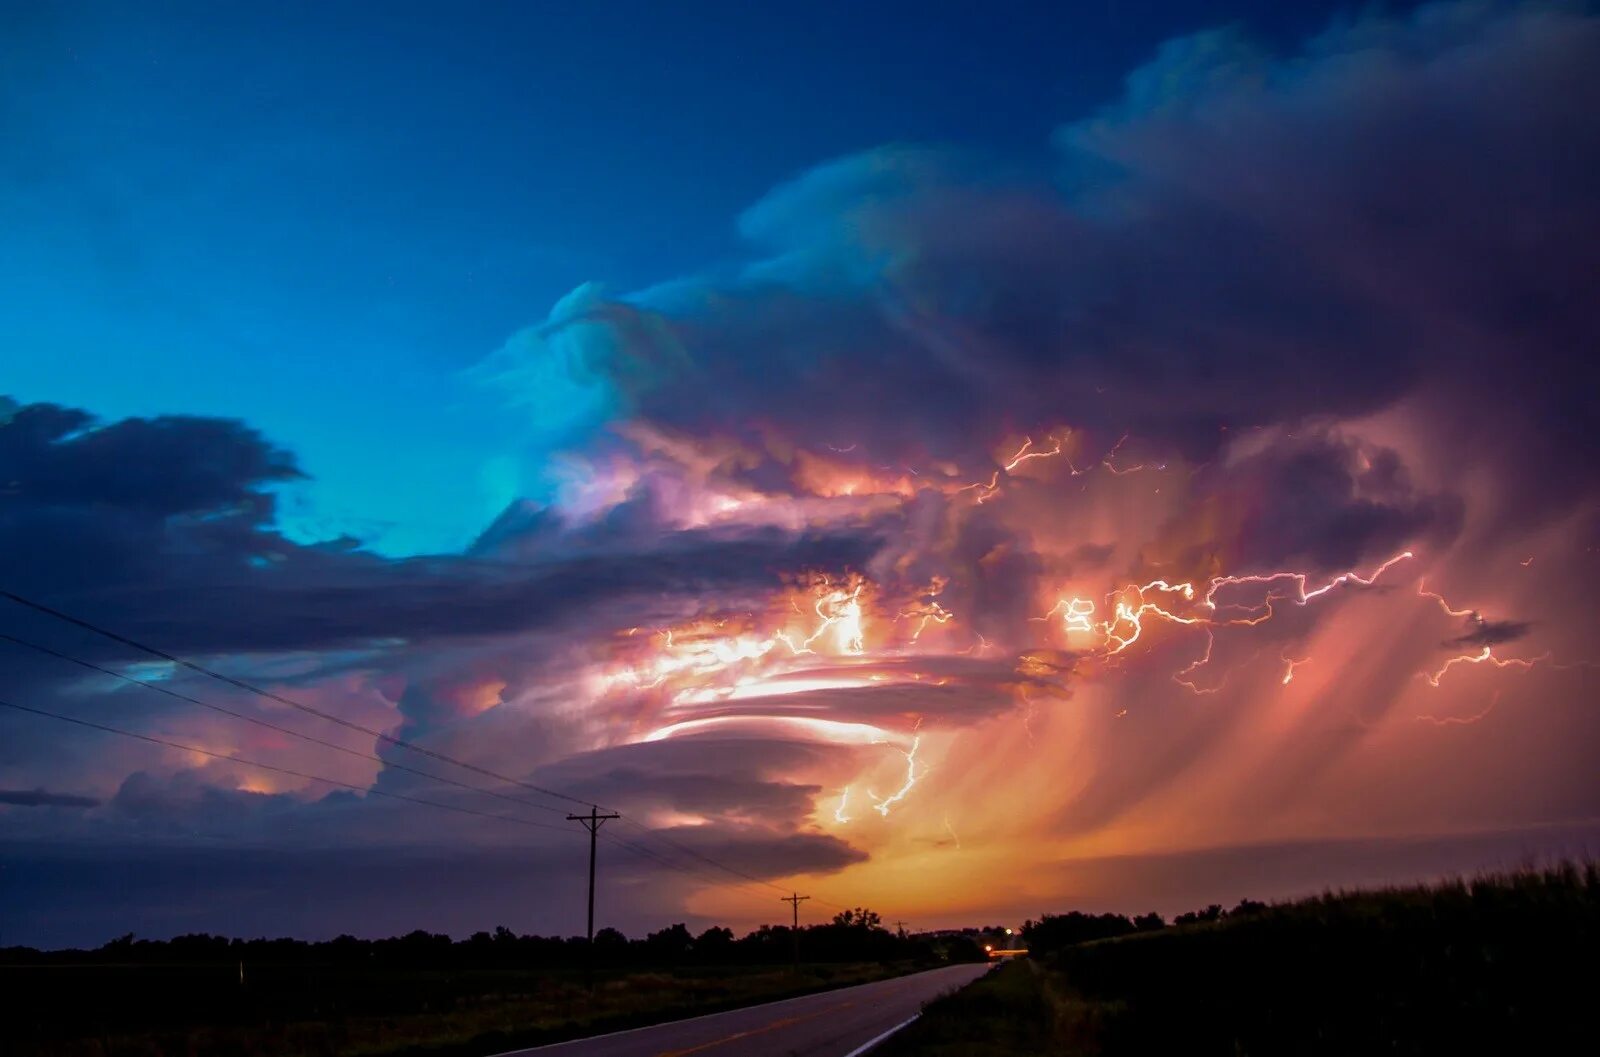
pixel 1219 478
pixel 1243 239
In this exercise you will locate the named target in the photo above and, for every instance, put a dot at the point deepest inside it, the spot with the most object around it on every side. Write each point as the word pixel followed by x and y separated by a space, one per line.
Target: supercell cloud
pixel 989 536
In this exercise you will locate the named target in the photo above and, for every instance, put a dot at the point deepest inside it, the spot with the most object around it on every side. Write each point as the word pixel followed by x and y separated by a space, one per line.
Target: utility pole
pixel 901 926
pixel 794 901
pixel 591 822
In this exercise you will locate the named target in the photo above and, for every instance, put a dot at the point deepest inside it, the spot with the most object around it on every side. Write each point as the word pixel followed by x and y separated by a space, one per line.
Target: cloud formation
pixel 42 798
pixel 1150 504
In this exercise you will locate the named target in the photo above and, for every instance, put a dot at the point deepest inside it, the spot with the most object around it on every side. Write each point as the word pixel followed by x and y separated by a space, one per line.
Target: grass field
pixel 1501 965
pixel 323 1011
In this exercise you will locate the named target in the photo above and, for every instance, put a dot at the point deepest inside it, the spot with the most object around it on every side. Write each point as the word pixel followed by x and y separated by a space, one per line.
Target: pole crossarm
pixel 592 822
pixel 794 901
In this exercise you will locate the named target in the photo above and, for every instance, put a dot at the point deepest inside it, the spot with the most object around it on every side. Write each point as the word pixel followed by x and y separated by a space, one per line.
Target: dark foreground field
pixel 325 1010
pixel 1502 965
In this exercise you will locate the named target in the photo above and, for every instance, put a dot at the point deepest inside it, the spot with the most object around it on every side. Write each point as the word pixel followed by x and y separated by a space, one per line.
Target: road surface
pixel 838 1023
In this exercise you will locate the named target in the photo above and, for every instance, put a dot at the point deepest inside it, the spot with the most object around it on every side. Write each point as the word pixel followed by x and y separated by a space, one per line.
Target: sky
pixel 971 463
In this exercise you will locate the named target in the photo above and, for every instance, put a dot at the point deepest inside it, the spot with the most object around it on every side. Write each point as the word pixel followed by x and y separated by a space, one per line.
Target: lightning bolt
pixel 928 610
pixel 1484 656
pixel 1024 454
pixel 951 830
pixel 1292 663
pixel 882 806
pixel 1130 606
pixel 1446 721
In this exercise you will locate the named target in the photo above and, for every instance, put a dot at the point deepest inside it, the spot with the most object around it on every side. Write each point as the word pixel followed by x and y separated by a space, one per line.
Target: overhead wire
pixel 194 666
pixel 258 721
pixel 379 735
pixel 703 858
pixel 365 790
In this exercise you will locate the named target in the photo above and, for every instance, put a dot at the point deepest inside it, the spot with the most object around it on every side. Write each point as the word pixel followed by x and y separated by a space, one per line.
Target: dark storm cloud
pixel 1092 555
pixel 161 527
pixel 186 798
pixel 707 774
pixel 1321 499
pixel 41 798
pixel 712 794
pixel 1242 240
pixel 56 456
pixel 1491 632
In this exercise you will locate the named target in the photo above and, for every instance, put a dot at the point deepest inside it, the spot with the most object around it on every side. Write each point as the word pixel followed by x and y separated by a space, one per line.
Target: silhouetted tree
pixel 859 918
pixel 671 944
pixel 1210 913
pixel 714 944
pixel 1055 931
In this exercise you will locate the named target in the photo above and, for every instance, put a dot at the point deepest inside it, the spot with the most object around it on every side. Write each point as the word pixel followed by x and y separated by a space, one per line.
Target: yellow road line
pixel 776 1024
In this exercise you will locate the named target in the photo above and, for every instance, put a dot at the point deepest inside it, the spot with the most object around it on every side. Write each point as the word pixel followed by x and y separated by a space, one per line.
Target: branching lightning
pixel 927 608
pixel 1483 656
pixel 1292 663
pixel 1462 721
pixel 882 805
pixel 1132 604
pixel 825 633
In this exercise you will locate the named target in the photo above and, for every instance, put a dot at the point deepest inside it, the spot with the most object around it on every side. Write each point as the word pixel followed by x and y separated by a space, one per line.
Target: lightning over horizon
pixel 1179 477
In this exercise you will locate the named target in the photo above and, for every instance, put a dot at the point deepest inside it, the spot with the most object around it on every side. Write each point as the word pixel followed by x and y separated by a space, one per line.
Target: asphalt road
pixel 837 1023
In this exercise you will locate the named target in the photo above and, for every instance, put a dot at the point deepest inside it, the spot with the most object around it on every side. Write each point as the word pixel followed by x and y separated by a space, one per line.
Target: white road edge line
pixel 870 1043
pixel 730 1012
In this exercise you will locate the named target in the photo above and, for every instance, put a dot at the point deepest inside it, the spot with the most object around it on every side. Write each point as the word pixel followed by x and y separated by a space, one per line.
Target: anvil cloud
pixel 1216 501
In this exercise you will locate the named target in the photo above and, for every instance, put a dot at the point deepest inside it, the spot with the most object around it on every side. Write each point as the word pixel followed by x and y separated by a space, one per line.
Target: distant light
pixel 1008 932
pixel 988 946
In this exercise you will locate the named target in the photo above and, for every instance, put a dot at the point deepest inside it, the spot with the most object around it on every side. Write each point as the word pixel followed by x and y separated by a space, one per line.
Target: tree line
pixel 854 935
pixel 1054 931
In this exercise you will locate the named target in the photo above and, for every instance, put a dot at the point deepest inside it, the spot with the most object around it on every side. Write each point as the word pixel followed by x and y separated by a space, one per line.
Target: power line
pixel 641 851
pixel 744 888
pixel 270 695
pixel 341 721
pixel 313 739
pixel 703 858
pixel 748 879
pixel 637 850
pixel 629 846
pixel 152 739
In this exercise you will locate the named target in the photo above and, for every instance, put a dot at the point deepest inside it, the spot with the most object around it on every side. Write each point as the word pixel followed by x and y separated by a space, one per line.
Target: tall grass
pixel 1498 964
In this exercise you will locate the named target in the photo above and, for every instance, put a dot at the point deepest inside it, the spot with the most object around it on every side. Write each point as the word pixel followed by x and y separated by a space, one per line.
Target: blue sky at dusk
pixel 317 218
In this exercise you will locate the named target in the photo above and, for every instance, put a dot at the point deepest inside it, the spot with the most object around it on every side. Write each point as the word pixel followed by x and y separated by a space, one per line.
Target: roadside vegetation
pixel 420 995
pixel 1501 964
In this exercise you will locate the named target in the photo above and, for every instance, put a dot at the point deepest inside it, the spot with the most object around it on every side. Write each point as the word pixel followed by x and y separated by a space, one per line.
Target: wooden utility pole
pixel 794 932
pixel 591 822
pixel 901 926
